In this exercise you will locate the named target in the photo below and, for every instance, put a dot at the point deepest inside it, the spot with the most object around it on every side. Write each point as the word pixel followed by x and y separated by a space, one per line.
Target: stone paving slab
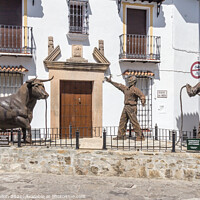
pixel 48 186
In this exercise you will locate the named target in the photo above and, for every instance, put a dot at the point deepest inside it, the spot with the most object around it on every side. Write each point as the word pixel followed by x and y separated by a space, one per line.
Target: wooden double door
pixel 76 108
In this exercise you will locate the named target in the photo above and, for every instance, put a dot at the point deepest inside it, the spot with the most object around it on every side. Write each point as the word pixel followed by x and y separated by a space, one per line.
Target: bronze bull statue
pixel 16 110
pixel 192 91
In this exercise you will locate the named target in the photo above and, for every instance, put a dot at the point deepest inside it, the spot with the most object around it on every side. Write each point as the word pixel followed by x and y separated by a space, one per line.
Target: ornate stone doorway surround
pixel 76 69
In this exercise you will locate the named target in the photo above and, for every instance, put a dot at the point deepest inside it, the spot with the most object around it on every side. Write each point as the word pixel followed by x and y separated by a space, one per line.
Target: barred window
pixel 78 16
pixel 144 114
pixel 9 83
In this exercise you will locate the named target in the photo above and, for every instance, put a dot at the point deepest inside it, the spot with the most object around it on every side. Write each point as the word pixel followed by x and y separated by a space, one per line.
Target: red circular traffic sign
pixel 195 70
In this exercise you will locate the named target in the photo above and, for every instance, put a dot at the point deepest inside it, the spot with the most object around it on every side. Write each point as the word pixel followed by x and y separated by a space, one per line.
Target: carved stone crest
pixel 77 54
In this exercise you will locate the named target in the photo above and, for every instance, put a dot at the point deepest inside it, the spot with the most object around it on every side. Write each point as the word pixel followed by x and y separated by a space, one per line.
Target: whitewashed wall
pixel 185 44
pixel 178 26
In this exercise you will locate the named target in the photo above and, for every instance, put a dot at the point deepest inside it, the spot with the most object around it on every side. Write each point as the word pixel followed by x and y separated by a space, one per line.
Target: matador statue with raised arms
pixel 131 95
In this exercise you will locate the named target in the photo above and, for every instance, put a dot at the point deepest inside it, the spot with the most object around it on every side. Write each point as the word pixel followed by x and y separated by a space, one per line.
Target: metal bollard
pixel 11 136
pixel 156 132
pixel 104 139
pixel 195 132
pixel 70 131
pixel 77 139
pixel 129 129
pixel 24 136
pixel 173 141
pixel 19 138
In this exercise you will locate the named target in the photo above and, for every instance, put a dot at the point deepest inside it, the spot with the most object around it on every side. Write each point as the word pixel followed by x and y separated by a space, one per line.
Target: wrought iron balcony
pixel 16 39
pixel 139 48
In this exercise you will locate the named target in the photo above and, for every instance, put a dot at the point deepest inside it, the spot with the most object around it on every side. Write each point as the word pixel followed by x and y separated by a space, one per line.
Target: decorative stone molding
pixel 77 54
pixel 54 54
pixel 77 36
pixel 77 62
pixel 76 66
pixel 101 47
pixel 76 69
pixel 50 45
pixel 99 57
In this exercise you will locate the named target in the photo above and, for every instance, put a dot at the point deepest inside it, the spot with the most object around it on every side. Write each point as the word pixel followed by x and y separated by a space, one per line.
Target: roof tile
pixel 139 74
pixel 19 69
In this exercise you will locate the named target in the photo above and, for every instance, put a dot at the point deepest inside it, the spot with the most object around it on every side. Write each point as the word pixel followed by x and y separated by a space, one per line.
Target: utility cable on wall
pixel 173 47
pixel 170 70
pixel 186 51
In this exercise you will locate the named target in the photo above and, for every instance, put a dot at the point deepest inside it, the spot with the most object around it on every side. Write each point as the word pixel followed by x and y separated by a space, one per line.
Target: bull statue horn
pixel 46 80
pixel 192 91
pixel 31 80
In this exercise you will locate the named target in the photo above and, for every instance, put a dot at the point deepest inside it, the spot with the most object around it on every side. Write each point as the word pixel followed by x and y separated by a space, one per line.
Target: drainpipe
pixel 173 50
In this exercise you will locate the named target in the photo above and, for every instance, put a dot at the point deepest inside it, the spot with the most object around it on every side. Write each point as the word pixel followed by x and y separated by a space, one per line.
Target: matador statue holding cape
pixel 131 95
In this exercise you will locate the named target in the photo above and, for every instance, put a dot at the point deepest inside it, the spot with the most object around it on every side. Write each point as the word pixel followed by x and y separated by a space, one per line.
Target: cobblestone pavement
pixel 49 186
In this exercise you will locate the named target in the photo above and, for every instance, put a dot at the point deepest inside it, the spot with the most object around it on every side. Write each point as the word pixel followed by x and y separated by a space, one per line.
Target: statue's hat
pixel 132 80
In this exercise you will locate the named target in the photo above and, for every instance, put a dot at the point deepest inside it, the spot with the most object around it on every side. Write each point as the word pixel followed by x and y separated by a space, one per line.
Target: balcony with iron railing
pixel 140 48
pixel 16 40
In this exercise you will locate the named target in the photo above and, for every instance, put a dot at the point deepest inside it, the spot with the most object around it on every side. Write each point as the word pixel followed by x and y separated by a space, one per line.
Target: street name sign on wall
pixel 161 93
pixel 195 70
pixel 4 140
pixel 193 144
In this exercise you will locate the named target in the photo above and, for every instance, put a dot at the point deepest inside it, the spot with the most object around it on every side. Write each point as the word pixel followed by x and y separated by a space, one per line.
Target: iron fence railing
pixel 156 139
pixel 139 47
pixel 40 137
pixel 16 39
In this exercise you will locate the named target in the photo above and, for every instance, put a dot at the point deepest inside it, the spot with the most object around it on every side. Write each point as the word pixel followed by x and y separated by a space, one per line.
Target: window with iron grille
pixel 78 16
pixel 9 83
pixel 144 114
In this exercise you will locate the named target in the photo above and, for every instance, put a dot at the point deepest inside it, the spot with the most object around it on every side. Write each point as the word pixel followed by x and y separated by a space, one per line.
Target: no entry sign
pixel 195 70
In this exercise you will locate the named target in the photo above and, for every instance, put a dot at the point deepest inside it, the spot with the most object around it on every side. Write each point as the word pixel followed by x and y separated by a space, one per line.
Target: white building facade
pixel 158 41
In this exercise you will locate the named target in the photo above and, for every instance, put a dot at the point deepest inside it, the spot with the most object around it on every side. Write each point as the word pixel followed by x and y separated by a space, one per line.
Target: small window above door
pixel 78 19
